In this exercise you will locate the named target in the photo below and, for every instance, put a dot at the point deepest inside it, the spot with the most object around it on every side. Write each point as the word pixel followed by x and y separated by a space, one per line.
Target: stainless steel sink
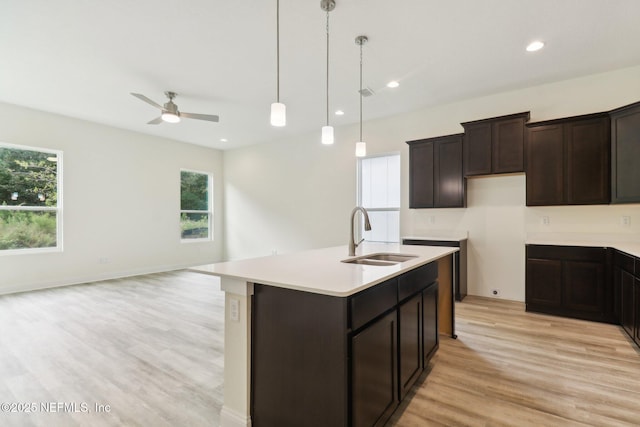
pixel 381 259
pixel 391 257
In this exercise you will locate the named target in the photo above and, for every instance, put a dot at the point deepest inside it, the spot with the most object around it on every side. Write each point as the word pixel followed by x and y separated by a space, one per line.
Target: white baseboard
pixel 231 418
pixel 4 290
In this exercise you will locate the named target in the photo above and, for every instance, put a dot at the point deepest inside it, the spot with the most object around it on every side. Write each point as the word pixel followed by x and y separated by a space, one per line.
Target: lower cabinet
pixel 374 377
pixel 430 340
pixel 569 281
pixel 636 336
pixel 626 282
pixel 320 360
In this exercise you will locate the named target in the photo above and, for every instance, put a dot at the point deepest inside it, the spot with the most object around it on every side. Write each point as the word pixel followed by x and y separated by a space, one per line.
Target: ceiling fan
pixel 170 113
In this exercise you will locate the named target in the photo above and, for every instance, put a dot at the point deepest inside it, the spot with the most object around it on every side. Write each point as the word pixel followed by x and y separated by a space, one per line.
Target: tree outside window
pixel 29 198
pixel 195 205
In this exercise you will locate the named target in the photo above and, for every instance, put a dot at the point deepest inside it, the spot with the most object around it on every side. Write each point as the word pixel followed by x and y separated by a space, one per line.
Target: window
pixel 195 205
pixel 379 194
pixel 30 199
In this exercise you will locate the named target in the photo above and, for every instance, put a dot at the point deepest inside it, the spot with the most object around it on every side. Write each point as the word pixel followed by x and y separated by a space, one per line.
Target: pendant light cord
pixel 278 51
pixel 327 68
pixel 361 92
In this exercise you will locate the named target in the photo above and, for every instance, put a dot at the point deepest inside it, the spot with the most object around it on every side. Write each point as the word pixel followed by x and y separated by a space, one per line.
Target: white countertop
pixel 321 270
pixel 628 243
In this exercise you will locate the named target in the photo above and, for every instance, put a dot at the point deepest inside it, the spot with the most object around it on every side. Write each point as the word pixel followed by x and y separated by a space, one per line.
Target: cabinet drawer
pixel 624 261
pixel 567 253
pixel 416 280
pixel 370 303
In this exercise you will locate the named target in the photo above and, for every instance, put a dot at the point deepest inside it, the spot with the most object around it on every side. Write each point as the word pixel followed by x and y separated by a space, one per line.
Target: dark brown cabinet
pixel 568 161
pixel 569 281
pixel 374 377
pixel 435 173
pixel 625 154
pixel 627 284
pixel 410 344
pixel 320 360
pixel 430 340
pixel 495 145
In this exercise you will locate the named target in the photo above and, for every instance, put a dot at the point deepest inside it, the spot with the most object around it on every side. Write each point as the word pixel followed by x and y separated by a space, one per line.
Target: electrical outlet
pixel 432 220
pixel 495 292
pixel 234 310
pixel 104 260
pixel 546 220
pixel 625 221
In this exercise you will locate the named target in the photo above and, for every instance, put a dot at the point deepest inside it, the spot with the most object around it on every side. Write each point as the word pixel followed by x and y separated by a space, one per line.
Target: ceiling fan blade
pixel 208 117
pixel 155 121
pixel 147 100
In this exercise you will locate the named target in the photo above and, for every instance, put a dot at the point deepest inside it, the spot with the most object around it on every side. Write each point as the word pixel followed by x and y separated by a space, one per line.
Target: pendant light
pixel 278 110
pixel 327 131
pixel 361 146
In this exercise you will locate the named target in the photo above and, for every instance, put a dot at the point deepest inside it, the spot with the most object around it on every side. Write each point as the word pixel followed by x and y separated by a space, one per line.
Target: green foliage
pixel 194 226
pixel 23 229
pixel 194 189
pixel 29 174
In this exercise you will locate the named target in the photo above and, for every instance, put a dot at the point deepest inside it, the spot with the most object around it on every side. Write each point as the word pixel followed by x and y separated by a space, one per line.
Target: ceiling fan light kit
pixel 169 112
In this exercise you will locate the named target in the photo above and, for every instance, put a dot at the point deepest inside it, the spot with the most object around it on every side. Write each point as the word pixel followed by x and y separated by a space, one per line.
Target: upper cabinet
pixel 625 154
pixel 568 161
pixel 495 145
pixel 435 172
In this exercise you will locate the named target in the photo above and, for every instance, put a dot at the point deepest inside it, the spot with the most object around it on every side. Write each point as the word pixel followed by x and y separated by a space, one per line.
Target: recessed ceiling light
pixel 536 45
pixel 393 84
pixel 339 113
pixel 223 139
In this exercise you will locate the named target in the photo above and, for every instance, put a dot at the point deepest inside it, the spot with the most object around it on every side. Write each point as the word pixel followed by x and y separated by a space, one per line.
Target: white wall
pixel 121 201
pixel 297 194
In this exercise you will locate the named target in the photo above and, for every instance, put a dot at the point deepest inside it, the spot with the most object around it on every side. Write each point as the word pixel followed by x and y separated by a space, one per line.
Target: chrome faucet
pixel 367 226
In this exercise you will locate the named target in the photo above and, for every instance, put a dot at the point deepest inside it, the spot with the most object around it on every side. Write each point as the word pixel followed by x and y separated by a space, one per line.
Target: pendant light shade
pixel 278 109
pixel 327 135
pixel 278 114
pixel 327 130
pixel 361 146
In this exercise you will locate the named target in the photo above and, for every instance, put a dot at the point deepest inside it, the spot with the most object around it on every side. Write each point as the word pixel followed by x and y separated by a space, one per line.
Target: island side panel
pixel 446 321
pixel 299 358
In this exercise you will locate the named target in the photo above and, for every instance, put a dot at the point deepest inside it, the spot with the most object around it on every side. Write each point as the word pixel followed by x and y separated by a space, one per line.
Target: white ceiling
pixel 83 58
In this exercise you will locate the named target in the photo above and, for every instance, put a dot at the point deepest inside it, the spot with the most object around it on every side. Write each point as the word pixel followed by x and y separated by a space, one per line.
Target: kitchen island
pixel 321 338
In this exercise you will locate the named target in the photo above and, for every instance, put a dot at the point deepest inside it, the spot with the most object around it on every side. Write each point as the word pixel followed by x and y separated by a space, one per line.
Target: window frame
pixel 209 210
pixel 359 192
pixel 57 209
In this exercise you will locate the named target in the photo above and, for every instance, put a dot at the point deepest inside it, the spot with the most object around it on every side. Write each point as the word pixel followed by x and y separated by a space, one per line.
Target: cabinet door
pixel 625 149
pixel 588 165
pixel 449 181
pixel 627 315
pixel 543 283
pixel 636 311
pixel 477 149
pixel 583 287
pixel 545 166
pixel 430 325
pixel 508 146
pixel 421 175
pixel 409 342
pixel 374 382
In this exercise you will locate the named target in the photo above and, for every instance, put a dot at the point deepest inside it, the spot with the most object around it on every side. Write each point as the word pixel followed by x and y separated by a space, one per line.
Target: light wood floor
pixel 151 347
pixel 512 368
